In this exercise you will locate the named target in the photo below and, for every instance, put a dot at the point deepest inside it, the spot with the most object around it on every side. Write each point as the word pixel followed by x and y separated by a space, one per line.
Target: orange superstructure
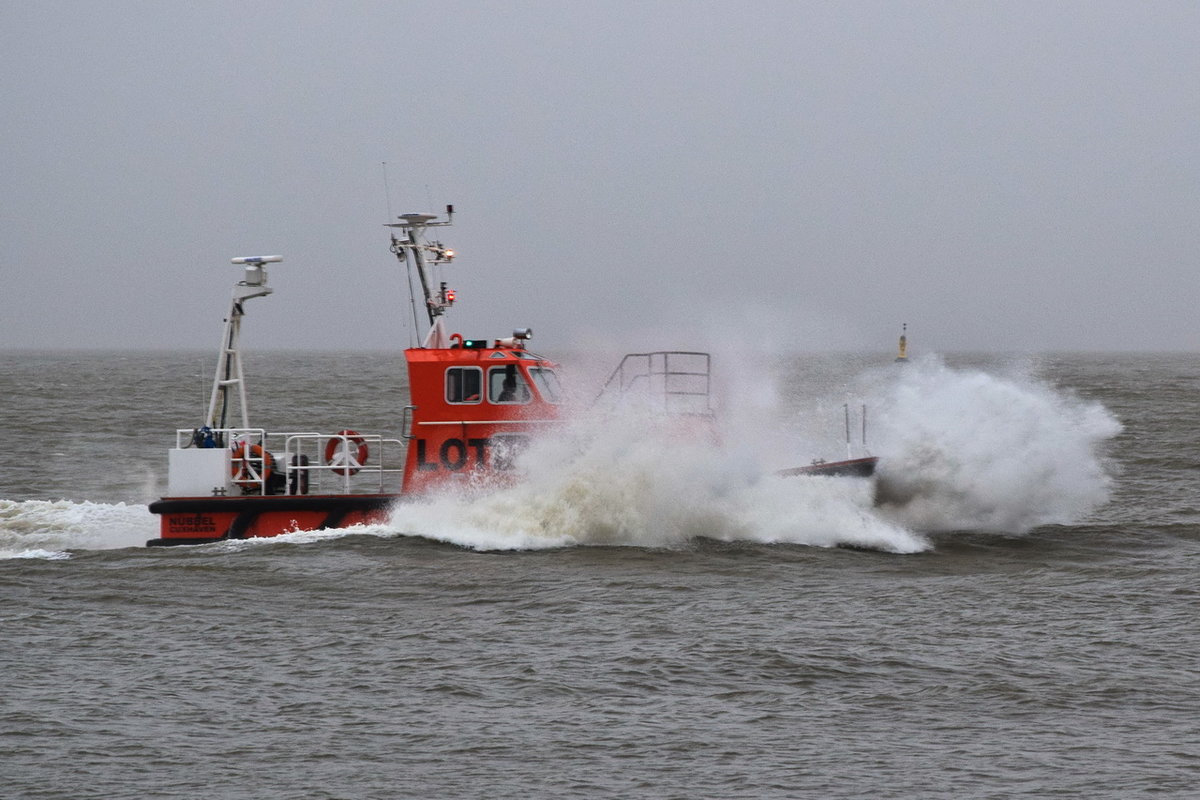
pixel 473 410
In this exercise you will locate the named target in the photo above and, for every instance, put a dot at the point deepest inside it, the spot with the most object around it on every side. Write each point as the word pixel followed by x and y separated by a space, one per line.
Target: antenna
pixel 426 254
pixel 387 193
pixel 846 408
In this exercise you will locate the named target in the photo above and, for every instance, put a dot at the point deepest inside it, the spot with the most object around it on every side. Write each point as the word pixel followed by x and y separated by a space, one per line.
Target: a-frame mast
pixel 229 374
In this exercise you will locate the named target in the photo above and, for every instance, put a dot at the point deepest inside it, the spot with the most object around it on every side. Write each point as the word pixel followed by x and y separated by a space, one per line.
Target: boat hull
pixel 854 468
pixel 202 520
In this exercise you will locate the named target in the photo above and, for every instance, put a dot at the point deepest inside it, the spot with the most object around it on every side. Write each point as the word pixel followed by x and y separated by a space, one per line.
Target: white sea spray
pixel 964 449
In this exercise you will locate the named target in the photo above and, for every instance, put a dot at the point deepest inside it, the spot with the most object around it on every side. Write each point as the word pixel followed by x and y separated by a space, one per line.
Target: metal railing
pixel 294 462
pixel 305 463
pixel 678 381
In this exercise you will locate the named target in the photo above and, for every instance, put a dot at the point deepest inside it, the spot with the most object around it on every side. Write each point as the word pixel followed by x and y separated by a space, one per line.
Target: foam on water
pixel 302 537
pixel 626 478
pixel 49 529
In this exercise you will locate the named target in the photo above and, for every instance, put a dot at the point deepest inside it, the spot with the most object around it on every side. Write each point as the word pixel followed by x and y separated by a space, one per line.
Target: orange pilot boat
pixel 474 405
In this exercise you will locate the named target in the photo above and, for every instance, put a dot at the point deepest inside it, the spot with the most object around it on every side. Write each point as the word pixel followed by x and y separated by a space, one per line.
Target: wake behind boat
pixel 475 405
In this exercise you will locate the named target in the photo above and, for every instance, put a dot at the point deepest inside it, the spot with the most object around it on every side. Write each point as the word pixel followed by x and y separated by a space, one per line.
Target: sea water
pixel 1009 611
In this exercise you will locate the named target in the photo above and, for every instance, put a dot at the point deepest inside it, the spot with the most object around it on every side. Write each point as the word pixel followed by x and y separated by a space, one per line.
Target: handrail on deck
pixel 385 456
pixel 302 460
pixel 677 376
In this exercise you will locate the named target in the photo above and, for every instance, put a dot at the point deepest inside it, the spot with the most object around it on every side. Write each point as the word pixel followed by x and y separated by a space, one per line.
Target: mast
pixel 426 255
pixel 229 363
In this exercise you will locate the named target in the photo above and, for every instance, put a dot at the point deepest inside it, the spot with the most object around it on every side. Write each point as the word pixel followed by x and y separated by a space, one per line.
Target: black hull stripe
pixel 330 502
pixel 336 508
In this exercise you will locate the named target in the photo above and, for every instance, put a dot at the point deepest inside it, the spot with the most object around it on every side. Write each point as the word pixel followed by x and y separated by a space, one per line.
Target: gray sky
pixel 1004 176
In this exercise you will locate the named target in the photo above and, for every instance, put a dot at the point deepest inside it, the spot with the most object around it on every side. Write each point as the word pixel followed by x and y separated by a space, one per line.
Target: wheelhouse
pixel 472 410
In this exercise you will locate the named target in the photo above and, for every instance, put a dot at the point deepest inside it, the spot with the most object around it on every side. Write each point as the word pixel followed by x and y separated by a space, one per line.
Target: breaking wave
pixel 629 481
pixel 962 449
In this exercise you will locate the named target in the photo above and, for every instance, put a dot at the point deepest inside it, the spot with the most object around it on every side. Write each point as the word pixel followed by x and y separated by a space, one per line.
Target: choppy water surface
pixel 640 618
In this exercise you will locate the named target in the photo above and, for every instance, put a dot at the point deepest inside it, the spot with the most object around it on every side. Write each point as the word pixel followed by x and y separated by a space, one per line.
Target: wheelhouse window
pixel 464 385
pixel 546 381
pixel 507 385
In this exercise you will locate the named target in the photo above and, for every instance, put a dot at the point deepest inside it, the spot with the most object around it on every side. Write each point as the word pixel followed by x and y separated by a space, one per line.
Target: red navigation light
pixel 450 293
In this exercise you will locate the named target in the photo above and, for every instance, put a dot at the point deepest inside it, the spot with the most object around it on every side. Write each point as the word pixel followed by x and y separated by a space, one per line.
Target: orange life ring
pixel 346 455
pixel 240 466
